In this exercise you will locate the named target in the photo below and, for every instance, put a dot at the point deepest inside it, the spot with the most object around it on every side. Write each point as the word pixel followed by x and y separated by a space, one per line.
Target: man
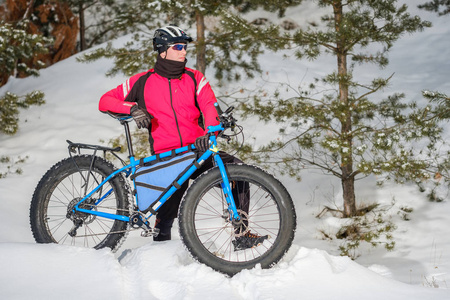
pixel 175 104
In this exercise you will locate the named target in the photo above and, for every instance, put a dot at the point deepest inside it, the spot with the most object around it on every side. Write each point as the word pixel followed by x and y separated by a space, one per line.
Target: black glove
pixel 140 116
pixel 202 143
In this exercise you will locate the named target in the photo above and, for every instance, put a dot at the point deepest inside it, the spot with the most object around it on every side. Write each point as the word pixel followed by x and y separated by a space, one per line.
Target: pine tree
pixel 442 7
pixel 50 18
pixel 223 39
pixel 139 18
pixel 9 109
pixel 348 132
pixel 97 21
pixel 17 45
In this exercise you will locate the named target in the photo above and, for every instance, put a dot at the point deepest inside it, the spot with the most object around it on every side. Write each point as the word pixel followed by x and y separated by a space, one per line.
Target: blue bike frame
pixel 131 169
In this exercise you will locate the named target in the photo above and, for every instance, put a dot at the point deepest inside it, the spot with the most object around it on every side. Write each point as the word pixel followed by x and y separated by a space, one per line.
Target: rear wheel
pixel 51 214
pixel 210 236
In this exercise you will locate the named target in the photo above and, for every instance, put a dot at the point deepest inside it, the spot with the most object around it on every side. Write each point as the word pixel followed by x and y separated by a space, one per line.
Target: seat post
pixel 128 137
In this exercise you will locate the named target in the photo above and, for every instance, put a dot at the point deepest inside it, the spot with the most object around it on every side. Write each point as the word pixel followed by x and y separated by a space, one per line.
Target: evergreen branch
pixel 379 85
pixel 322 167
pixel 281 145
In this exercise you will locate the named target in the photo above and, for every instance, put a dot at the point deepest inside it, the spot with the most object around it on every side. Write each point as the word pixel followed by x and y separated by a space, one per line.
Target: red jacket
pixel 172 103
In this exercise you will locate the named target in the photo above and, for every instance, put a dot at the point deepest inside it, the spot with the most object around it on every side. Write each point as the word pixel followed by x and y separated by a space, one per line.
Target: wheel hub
pixel 241 226
pixel 78 216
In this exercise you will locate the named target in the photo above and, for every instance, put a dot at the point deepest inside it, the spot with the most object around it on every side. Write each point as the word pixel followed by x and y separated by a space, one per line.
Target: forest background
pixel 238 64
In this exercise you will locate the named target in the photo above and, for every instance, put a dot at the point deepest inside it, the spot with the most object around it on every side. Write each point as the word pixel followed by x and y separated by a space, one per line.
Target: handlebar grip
pixel 218 109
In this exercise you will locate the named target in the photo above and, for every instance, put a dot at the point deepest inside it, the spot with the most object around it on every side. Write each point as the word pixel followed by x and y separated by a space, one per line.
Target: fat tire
pixel 53 190
pixel 265 255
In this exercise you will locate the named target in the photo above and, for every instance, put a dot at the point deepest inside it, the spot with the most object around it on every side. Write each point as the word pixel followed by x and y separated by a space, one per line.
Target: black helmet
pixel 168 35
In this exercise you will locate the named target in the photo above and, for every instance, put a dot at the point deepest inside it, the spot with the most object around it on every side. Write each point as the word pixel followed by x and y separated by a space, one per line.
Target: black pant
pixel 169 210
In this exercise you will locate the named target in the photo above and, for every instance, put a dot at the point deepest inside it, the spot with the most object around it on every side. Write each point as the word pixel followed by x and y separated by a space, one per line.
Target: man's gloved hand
pixel 202 143
pixel 140 116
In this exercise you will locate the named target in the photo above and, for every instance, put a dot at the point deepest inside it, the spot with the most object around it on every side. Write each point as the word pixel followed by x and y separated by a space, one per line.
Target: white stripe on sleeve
pixel 126 88
pixel 202 83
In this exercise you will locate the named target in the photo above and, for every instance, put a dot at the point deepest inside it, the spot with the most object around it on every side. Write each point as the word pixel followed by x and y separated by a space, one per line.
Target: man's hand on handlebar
pixel 202 143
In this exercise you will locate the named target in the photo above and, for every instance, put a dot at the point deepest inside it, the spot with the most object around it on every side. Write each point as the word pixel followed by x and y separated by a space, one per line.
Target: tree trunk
pixel 347 179
pixel 82 28
pixel 201 46
pixel 348 188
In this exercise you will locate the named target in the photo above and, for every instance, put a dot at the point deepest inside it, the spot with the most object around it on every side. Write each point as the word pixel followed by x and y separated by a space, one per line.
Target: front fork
pixel 226 186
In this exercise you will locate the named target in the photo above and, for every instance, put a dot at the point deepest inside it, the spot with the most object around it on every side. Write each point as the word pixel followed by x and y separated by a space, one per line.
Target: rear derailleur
pixel 79 218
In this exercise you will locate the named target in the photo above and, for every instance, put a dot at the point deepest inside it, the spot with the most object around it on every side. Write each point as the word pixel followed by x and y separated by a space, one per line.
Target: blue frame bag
pixel 152 180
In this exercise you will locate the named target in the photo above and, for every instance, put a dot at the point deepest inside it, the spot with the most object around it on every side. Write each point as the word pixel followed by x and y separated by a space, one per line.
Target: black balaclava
pixel 169 68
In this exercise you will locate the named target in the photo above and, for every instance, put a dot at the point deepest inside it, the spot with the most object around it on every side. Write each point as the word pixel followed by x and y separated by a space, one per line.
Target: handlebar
pixel 226 118
pixel 218 109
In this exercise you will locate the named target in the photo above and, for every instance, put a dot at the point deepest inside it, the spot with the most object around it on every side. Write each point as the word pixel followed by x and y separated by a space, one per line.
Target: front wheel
pixel 263 234
pixel 52 215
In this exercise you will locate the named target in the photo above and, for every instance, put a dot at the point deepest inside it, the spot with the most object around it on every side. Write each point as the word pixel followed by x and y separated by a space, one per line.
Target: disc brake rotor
pixel 239 228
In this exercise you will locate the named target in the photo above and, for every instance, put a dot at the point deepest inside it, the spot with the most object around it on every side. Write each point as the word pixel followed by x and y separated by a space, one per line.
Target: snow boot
pixel 165 228
pixel 249 240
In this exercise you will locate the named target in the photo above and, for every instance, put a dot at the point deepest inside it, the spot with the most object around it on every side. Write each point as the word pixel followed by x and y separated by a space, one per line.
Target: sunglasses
pixel 179 47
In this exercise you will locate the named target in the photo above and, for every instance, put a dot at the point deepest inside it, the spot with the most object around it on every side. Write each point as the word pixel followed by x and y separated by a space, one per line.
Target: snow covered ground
pixel 418 268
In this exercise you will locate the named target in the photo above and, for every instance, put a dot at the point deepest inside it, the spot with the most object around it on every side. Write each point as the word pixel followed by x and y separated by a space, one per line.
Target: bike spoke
pixel 216 232
pixel 65 225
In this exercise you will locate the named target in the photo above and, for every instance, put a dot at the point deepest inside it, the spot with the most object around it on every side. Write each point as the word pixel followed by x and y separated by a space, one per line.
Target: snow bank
pixel 166 271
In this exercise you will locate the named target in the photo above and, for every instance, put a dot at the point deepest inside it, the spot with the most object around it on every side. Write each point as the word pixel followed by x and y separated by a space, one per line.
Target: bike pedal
pixel 150 232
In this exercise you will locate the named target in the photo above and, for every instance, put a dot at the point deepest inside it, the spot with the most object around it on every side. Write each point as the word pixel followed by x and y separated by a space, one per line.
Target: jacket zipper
pixel 174 114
